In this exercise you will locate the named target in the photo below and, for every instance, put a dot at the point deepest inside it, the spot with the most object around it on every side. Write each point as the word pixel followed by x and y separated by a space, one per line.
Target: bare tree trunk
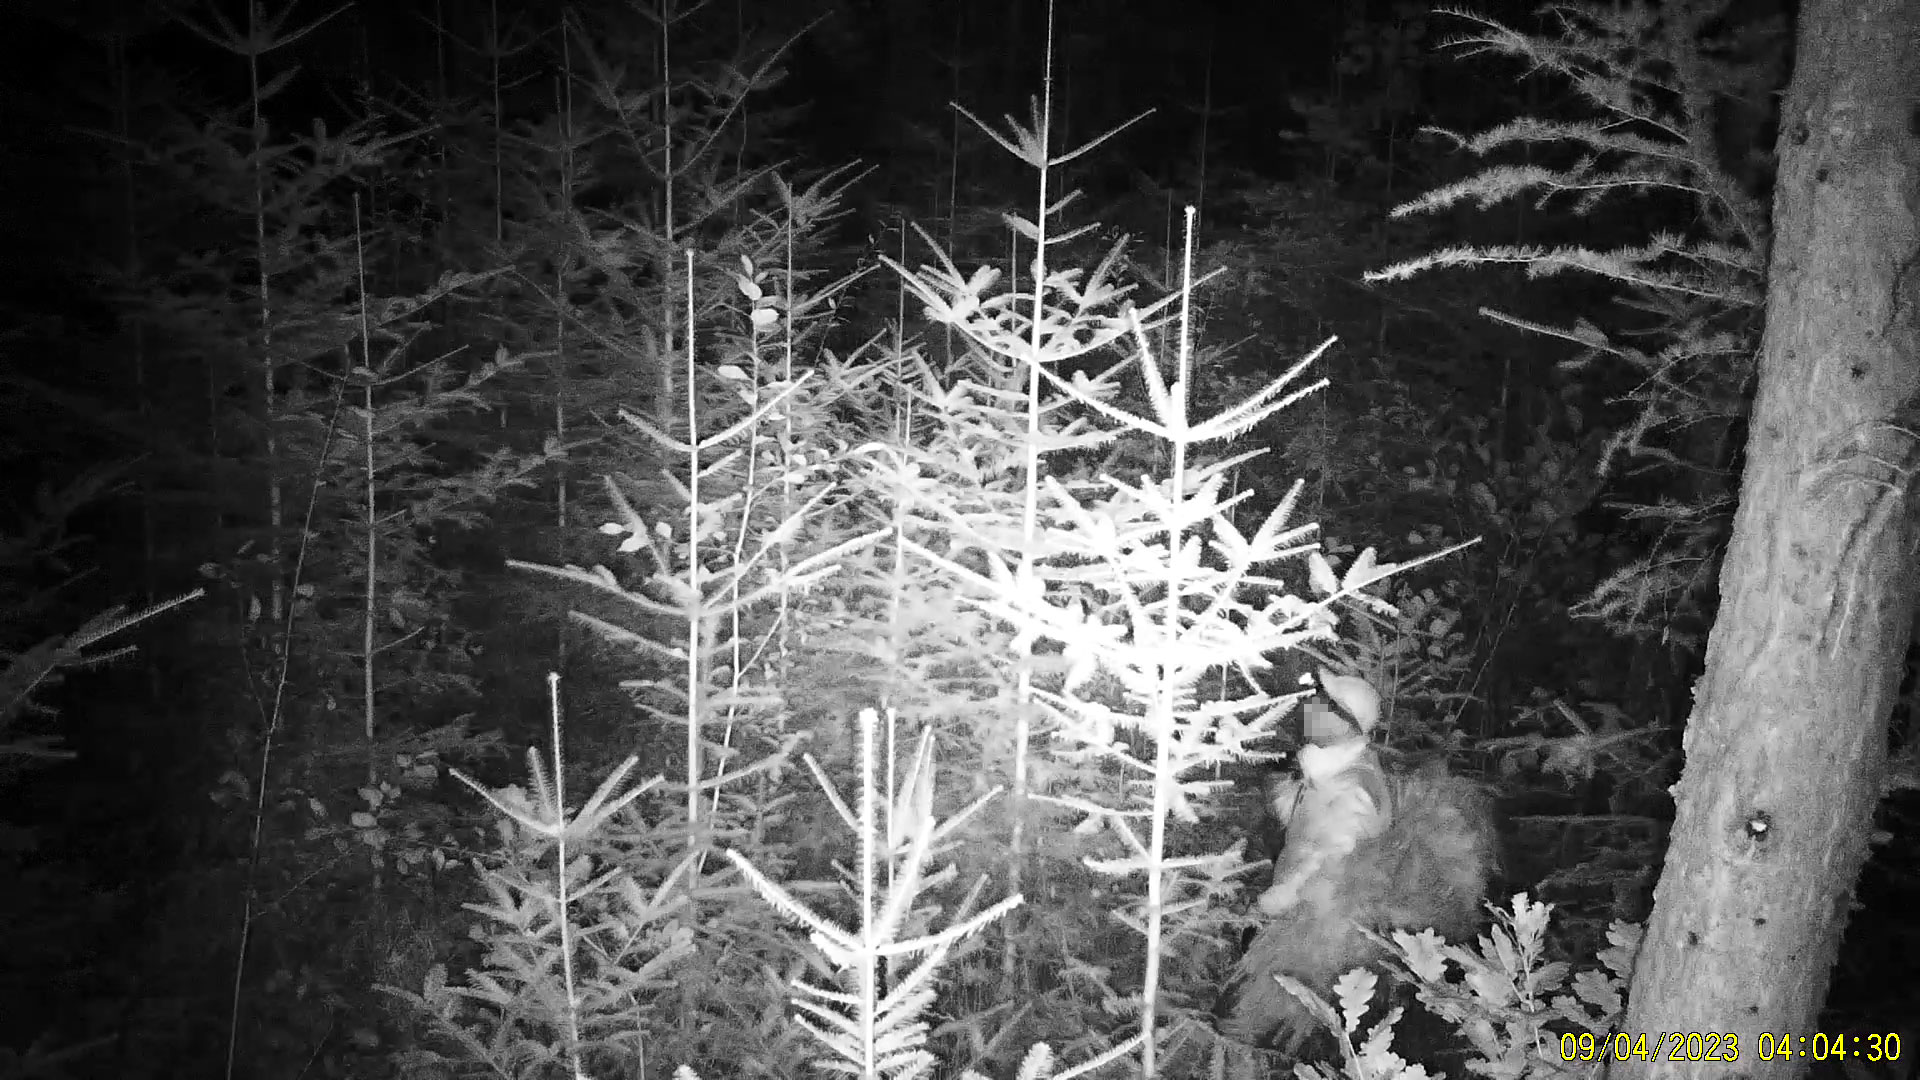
pixel 1786 750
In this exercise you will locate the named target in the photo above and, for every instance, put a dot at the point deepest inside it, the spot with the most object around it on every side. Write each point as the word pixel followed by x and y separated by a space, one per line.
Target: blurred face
pixel 1322 723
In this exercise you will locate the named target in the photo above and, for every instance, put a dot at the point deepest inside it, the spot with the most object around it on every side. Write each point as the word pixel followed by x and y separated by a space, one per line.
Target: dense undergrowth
pixel 900 634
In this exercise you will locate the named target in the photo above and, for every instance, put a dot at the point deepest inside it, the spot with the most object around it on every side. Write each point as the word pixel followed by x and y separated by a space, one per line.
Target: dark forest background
pixel 348 316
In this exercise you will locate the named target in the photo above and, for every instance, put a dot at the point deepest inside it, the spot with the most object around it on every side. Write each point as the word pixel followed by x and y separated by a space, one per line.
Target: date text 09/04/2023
pixel 1711 1046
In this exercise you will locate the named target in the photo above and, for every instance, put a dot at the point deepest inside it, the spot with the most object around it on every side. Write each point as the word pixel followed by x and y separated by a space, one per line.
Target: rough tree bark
pixel 1787 746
